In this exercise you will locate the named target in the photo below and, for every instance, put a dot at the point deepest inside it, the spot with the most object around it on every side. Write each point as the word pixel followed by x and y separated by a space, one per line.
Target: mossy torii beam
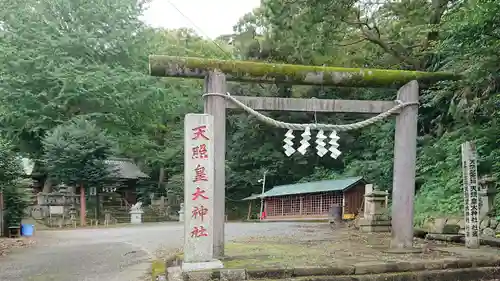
pixel 250 71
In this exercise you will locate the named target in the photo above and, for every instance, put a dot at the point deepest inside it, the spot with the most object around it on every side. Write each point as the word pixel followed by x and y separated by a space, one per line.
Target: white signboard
pixel 471 198
pixel 56 210
pixel 198 188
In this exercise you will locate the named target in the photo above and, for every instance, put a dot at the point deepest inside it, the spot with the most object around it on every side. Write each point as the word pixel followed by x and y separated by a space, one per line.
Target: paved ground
pixel 108 254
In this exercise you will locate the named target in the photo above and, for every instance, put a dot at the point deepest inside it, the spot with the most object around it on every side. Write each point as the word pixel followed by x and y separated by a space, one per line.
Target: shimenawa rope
pixel 315 126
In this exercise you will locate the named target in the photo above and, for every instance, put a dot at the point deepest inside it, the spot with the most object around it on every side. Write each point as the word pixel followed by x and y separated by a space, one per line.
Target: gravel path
pixel 109 254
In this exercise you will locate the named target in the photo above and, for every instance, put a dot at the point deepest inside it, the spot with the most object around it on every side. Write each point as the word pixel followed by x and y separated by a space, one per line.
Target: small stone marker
pixel 471 197
pixel 199 193
pixel 181 213
pixel 369 188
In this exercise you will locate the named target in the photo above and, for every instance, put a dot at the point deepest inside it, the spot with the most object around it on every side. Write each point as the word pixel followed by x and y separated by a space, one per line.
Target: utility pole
pixel 263 180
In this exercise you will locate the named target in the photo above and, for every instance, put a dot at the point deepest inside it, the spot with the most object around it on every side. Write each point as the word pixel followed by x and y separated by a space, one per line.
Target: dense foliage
pixel 11 185
pixel 70 59
pixel 75 153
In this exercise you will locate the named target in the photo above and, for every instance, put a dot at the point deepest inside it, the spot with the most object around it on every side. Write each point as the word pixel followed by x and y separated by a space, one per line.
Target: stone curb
pixel 353 271
pixel 461 274
pixel 464 274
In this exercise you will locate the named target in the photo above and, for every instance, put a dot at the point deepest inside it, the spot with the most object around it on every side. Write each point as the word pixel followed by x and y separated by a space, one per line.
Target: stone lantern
pixel 375 217
pixel 487 192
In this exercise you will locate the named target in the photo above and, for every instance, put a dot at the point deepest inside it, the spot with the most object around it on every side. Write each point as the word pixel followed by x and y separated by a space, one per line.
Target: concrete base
pixel 374 226
pixel 194 266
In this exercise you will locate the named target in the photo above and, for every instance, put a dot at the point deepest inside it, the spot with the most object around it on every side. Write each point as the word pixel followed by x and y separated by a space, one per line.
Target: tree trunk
pixel 249 215
pixel 161 177
pixel 98 204
pixel 47 185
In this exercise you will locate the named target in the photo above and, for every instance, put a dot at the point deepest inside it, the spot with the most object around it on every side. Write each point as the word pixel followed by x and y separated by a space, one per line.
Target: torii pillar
pixel 215 82
pixel 405 158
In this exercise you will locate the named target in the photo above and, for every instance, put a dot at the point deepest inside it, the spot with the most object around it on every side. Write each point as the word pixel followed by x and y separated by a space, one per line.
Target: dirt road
pixel 108 254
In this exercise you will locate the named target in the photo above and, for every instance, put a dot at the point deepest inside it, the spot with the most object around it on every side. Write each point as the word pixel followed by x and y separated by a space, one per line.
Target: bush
pixel 16 200
pixel 75 153
pixel 14 192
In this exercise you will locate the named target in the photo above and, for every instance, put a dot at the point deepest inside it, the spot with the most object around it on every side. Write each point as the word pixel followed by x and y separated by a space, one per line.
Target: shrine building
pixel 313 200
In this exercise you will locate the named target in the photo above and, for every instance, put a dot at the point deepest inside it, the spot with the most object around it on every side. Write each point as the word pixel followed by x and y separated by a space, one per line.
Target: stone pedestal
pixel 375 218
pixel 136 213
pixel 136 216
pixel 487 192
pixel 197 266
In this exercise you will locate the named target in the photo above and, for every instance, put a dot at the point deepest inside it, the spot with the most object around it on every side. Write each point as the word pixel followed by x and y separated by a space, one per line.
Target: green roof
pixel 312 187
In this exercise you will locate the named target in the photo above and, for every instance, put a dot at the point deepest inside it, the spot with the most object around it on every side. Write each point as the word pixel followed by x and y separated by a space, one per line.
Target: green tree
pixel 11 185
pixel 62 59
pixel 75 153
pixel 456 36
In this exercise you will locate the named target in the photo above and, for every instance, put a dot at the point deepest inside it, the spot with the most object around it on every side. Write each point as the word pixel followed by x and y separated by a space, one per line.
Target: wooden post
pixel 98 204
pixel 249 214
pixel 343 204
pixel 321 204
pixel 2 226
pixel 83 208
pixel 405 156
pixel 215 82
pixel 301 206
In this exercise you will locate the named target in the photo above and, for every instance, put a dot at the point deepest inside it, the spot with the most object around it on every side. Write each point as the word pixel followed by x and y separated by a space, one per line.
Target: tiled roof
pixel 125 169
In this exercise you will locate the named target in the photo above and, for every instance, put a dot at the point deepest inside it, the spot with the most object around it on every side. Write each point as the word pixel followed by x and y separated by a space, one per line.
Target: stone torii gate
pixel 217 72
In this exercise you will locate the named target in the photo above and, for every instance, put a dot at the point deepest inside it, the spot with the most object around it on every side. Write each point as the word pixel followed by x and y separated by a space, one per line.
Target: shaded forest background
pixel 64 61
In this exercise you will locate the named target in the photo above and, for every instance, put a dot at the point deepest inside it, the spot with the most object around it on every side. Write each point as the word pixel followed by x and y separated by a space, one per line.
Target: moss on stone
pixel 192 67
pixel 157 268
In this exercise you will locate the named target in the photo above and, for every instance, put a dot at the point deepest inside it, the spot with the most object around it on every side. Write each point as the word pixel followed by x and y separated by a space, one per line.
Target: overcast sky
pixel 213 17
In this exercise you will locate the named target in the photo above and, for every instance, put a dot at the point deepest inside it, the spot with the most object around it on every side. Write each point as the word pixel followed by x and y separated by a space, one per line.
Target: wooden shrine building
pixel 313 200
pixel 125 174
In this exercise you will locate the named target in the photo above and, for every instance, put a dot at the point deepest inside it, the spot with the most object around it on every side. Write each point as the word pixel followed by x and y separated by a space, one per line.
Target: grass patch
pixel 319 245
pixel 260 254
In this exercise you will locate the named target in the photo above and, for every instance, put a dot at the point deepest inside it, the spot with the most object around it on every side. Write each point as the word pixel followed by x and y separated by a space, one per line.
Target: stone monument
pixel 471 194
pixel 375 217
pixel 199 235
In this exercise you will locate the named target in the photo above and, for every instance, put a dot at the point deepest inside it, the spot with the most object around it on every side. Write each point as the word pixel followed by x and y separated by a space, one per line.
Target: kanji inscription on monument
pixel 471 197
pixel 198 188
